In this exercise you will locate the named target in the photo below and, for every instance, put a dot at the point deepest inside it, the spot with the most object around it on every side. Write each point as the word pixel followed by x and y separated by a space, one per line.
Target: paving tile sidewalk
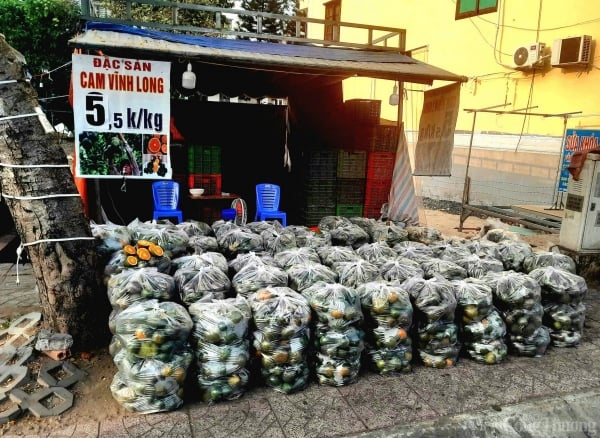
pixel 557 394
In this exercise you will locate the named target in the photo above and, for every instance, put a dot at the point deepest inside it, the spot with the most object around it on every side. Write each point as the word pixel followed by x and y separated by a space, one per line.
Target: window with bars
pixel 333 12
pixel 472 8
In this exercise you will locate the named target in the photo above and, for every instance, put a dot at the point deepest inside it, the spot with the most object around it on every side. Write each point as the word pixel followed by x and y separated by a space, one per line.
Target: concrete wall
pixel 482 49
pixel 503 170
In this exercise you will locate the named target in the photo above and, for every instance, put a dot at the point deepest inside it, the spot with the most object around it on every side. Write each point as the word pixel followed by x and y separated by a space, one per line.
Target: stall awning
pixel 117 39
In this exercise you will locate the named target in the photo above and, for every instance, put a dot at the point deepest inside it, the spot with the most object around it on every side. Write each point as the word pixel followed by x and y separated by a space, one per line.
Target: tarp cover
pixel 291 58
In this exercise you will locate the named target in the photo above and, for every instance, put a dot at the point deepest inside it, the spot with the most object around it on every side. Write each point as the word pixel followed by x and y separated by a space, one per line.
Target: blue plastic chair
pixel 166 200
pixel 267 203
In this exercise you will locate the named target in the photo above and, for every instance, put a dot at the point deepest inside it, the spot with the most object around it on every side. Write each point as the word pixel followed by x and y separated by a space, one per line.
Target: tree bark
pixel 35 176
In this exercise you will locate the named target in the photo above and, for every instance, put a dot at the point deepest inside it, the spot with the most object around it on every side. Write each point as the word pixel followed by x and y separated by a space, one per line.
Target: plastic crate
pixel 351 164
pixel 386 138
pixel 204 159
pixel 377 191
pixel 362 137
pixel 349 210
pixel 312 215
pixel 372 211
pixel 210 183
pixel 380 165
pixel 320 191
pixel 321 164
pixel 363 111
pixel 350 191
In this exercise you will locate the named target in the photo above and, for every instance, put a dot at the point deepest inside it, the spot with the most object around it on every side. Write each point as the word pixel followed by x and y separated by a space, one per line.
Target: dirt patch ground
pixel 94 401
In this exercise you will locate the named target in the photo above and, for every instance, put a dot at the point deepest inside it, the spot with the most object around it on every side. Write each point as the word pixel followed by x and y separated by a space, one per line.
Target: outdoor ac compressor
pixel 580 227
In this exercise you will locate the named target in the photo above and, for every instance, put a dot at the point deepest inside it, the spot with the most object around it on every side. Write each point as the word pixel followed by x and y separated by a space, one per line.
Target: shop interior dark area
pixel 252 139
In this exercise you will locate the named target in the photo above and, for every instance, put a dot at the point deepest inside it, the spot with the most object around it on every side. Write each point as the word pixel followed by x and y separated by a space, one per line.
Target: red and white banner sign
pixel 122 109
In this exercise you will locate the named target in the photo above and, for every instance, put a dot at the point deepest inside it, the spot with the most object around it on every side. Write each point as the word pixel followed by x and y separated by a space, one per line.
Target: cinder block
pixel 73 374
pixel 32 402
pixel 13 376
pixel 26 324
pixel 10 355
pixel 11 413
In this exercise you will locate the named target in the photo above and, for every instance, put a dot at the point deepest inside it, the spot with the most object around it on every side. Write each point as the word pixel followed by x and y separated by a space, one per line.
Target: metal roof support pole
pixel 557 203
pixel 465 197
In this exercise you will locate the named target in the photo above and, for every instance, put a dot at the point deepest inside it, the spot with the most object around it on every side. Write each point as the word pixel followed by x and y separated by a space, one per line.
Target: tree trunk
pixel 35 176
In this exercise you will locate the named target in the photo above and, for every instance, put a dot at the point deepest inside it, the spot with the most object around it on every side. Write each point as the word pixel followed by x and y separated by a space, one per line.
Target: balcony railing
pixel 131 12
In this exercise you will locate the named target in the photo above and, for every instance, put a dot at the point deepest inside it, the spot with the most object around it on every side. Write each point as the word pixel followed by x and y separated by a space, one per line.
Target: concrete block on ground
pixel 26 324
pixel 10 355
pixel 10 413
pixel 72 374
pixel 33 401
pixel 13 377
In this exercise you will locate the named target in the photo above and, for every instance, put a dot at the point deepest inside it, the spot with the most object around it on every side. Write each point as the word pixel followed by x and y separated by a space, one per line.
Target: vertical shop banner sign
pixel 433 152
pixel 121 116
pixel 576 140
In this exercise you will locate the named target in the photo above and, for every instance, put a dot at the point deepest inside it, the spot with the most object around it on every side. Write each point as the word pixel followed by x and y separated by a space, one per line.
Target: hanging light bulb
pixel 394 97
pixel 188 80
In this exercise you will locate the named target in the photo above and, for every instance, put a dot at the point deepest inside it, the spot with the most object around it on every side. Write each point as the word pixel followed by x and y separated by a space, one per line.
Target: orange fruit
pixel 154 145
pixel 402 334
pixel 143 254
pixel 343 371
pixel 263 295
pixel 129 249
pixel 336 313
pixel 155 250
pixel 280 357
pixel 163 148
pixel 140 333
pixel 392 297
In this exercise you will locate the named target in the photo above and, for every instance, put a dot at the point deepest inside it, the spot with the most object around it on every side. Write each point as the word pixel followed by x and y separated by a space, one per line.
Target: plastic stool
pixel 228 214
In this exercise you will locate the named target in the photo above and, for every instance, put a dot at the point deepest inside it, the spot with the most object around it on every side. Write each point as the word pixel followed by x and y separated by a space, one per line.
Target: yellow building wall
pixel 482 49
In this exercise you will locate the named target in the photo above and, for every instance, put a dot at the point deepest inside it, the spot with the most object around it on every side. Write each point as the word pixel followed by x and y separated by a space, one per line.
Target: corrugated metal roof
pixel 290 58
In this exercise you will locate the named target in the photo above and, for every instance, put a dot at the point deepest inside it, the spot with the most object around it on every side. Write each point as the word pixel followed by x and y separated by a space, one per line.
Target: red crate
pixel 210 183
pixel 377 192
pixel 380 165
pixel 372 211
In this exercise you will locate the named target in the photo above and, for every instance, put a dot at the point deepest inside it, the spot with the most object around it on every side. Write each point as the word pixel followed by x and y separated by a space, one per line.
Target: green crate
pixel 349 210
pixel 204 159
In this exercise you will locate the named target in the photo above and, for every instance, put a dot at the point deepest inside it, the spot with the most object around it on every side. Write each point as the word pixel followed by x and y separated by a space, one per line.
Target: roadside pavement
pixel 556 395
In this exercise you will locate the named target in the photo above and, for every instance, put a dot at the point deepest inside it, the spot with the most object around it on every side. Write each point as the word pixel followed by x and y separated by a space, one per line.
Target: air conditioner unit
pixel 572 51
pixel 528 56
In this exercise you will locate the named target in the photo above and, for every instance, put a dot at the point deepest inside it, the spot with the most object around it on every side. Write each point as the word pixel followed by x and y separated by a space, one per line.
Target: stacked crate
pixel 351 167
pixel 204 166
pixel 380 169
pixel 204 171
pixel 319 186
